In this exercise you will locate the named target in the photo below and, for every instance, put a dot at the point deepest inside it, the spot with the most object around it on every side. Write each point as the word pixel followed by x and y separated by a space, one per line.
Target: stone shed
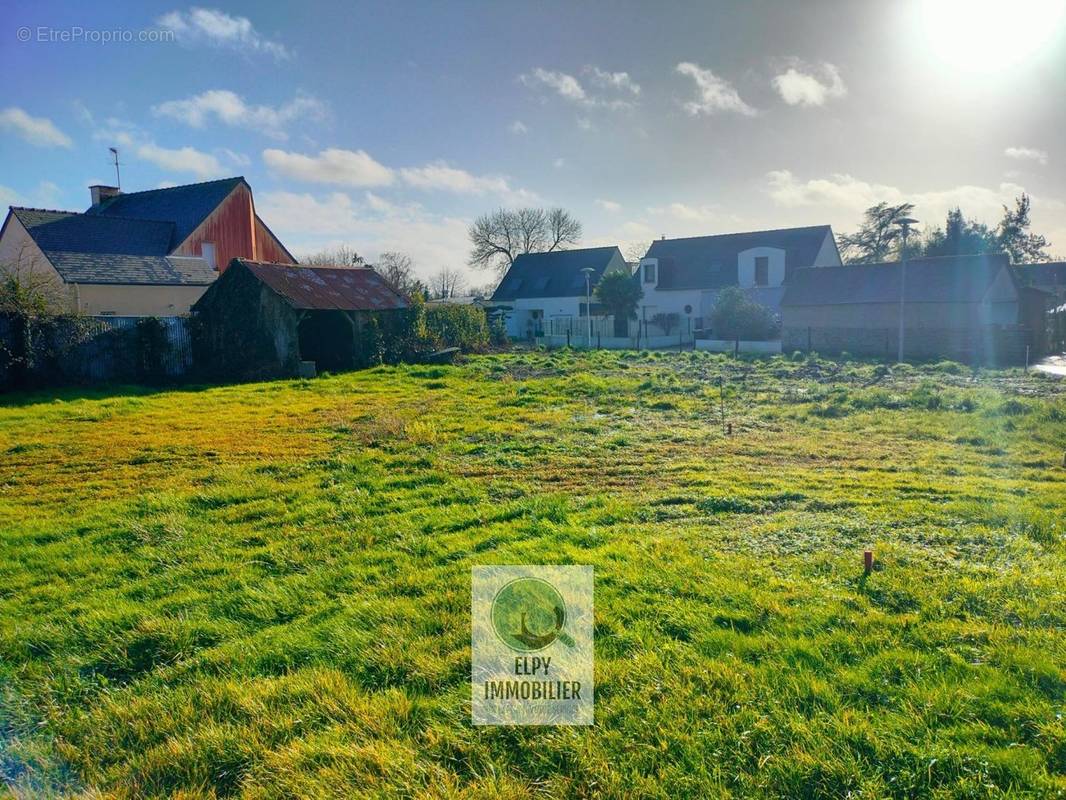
pixel 263 319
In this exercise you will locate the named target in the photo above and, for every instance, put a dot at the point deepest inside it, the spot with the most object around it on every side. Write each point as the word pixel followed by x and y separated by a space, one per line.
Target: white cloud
pixel 687 213
pixel 585 124
pixel 39 131
pixel 182 159
pixel 333 165
pixel 609 205
pixel 842 199
pixel 562 84
pixel 1026 154
pixel 119 132
pixel 308 223
pixel 230 109
pixel 800 86
pixel 219 29
pixel 612 80
pixel 518 127
pixel 358 168
pixel 569 88
pixel 439 176
pixel 715 94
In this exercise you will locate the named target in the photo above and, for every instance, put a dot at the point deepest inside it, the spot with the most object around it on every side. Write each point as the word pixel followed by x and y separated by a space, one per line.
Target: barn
pixel 966 308
pixel 262 319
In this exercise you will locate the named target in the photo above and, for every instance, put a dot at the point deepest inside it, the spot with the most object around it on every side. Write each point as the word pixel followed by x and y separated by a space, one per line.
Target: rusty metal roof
pixel 327 288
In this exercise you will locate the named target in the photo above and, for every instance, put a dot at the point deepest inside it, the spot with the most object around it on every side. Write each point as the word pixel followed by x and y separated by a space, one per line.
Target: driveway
pixel 1053 365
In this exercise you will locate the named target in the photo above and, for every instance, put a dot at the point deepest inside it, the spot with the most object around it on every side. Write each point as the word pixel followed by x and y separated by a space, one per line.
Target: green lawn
pixel 263 590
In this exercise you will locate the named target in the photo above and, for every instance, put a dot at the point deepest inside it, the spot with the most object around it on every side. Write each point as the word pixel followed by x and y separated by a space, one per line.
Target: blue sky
pixel 390 126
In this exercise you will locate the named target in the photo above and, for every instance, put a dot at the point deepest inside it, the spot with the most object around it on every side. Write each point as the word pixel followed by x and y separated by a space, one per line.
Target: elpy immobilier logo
pixel 531 645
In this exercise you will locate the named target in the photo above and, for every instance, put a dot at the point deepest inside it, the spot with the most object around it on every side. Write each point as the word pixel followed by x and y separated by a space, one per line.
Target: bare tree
pixel 339 256
pixel 447 283
pixel 30 287
pixel 398 270
pixel 497 239
pixel 563 229
pixel 635 251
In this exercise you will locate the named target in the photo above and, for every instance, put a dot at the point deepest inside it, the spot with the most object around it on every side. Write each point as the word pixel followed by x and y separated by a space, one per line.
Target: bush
pixel 465 327
pixel 734 316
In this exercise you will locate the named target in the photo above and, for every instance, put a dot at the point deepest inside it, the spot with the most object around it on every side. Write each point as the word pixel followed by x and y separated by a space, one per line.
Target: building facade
pixel 547 293
pixel 149 253
pixel 682 277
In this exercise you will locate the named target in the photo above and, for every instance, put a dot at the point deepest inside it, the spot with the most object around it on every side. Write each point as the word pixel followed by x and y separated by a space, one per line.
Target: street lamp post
pixel 588 304
pixel 905 226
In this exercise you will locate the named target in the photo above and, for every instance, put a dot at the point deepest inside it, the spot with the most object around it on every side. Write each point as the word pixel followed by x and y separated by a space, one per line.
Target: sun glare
pixel 988 35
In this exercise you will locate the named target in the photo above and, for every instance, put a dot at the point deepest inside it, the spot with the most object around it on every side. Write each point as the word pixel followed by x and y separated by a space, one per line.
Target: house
pixel 965 308
pixel 547 292
pixel 263 319
pixel 1048 277
pixel 149 253
pixel 684 276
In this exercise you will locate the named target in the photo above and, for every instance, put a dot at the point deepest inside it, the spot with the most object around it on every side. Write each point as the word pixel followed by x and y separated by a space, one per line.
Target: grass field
pixel 263 590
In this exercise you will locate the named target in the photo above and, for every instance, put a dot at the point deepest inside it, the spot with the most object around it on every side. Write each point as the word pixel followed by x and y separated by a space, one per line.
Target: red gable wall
pixel 267 248
pixel 233 229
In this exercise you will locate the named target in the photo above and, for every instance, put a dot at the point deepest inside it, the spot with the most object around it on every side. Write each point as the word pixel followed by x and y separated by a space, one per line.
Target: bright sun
pixel 988 35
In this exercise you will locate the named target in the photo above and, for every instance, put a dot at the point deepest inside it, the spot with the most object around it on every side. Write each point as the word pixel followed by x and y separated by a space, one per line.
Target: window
pixel 649 273
pixel 762 270
pixel 207 252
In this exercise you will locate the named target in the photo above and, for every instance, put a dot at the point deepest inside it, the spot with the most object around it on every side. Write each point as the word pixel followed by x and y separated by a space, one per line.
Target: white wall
pixel 19 253
pixel 746 266
pixel 518 320
pixel 828 255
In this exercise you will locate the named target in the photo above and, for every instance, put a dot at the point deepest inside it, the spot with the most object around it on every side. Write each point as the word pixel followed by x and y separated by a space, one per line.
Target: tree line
pixel 880 236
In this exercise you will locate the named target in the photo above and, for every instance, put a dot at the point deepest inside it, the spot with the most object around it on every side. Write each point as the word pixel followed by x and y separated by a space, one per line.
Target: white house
pixel 684 276
pixel 546 292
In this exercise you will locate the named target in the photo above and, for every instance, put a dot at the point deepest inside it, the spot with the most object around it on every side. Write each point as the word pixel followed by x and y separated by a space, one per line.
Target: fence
pixel 602 333
pixel 63 350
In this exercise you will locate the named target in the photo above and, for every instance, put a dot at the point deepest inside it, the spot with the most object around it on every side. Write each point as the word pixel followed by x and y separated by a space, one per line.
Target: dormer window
pixel 649 273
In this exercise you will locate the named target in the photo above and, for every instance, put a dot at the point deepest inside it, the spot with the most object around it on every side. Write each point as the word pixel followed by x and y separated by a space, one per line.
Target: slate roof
pixel 947 279
pixel 1050 273
pixel 710 262
pixel 66 230
pixel 556 274
pixel 326 288
pixel 184 206
pixel 93 249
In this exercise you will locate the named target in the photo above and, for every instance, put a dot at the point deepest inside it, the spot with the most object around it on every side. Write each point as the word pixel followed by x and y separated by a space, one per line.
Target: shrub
pixel 465 327
pixel 734 316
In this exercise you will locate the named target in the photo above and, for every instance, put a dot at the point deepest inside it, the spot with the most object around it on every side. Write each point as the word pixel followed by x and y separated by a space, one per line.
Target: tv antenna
pixel 118 177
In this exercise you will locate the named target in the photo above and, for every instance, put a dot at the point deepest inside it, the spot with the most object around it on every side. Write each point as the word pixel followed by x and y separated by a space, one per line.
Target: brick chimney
pixel 100 193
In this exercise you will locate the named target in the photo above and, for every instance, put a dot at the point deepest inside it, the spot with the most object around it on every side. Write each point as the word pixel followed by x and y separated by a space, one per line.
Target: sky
pixel 390 126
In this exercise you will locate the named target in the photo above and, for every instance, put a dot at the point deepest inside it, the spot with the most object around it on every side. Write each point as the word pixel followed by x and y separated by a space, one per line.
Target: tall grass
pixel 263 590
